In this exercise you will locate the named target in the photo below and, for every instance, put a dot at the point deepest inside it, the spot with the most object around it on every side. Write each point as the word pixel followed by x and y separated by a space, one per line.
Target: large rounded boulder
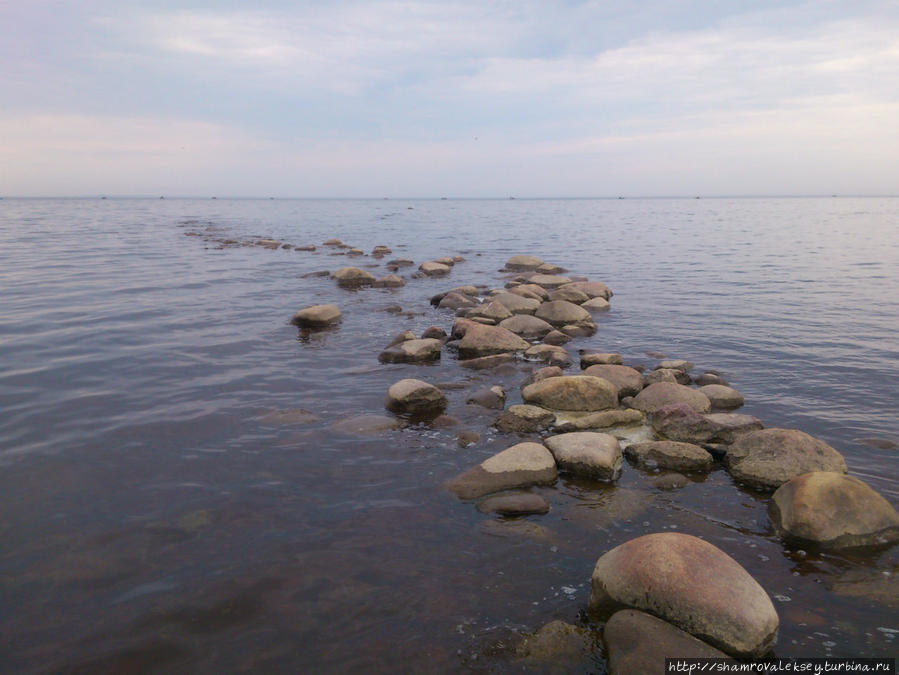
pixel 480 340
pixel 587 453
pixel 662 393
pixel 562 313
pixel 691 584
pixel 414 397
pixel 832 510
pixel 352 277
pixel 527 326
pixel 767 458
pixel 628 380
pixel 517 304
pixel 317 316
pixel 523 263
pixel 518 466
pixel 572 392
pixel 593 289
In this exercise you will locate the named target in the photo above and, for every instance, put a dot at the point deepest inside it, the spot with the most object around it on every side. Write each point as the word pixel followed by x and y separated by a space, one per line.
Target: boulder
pixel 527 326
pixel 556 337
pixel 637 642
pixel 669 455
pixel 587 453
pixel 585 329
pixel 515 504
pixel 709 377
pixel 435 332
pixel 317 316
pixel 532 291
pixel 675 364
pixel 517 304
pixel 460 326
pixel 479 340
pixel 486 362
pixel 730 426
pixel 666 375
pixel 662 393
pixel 680 422
pixel 549 268
pixel 401 337
pixel 562 313
pixel 628 381
pixel 412 351
pixel 414 397
pixel 524 419
pixel 569 294
pixel 601 358
pixel 558 647
pixel 519 466
pixel 449 261
pixel 434 269
pixel 548 281
pixel 494 397
pixel 723 397
pixel 523 263
pixel 596 305
pixel 832 510
pixel 551 354
pixel 350 277
pixel 597 420
pixel 494 311
pixel 768 458
pixel 332 242
pixel 543 373
pixel 389 281
pixel 592 289
pixel 366 425
pixel 691 584
pixel 572 392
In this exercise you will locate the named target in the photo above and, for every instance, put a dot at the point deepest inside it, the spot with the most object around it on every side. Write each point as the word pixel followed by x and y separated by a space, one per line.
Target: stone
pixel 435 332
pixel 467 289
pixel 434 269
pixel 414 397
pixel 460 326
pixel 494 398
pixel 768 458
pixel 350 277
pixel 730 426
pixel 558 647
pixel 659 394
pixel 556 337
pixel 466 438
pixel 523 263
pixel 551 354
pixel 319 273
pixel 572 392
pixel 517 304
pixel 585 329
pixel 305 247
pixel 549 268
pixel 486 362
pixel 596 305
pixel 401 337
pixel 521 465
pixel 571 421
pixel 366 425
pixel 628 381
pixel 389 281
pixel 676 364
pixel 527 326
pixel 317 316
pixel 445 260
pixel 879 443
pixel 601 358
pixel 562 313
pixel 480 340
pixel 524 419
pixel 666 375
pixel 412 351
pixel 402 262
pixel 592 289
pixel 269 243
pixel 332 242
pixel 669 481
pixel 709 377
pixel 723 397
pixel 669 455
pixel 291 416
pixel 548 281
pixel 532 291
pixel 516 504
pixel 569 294
pixel 691 584
pixel 354 252
pixel 494 311
pixel 637 643
pixel 543 373
pixel 587 453
pixel 832 510
pixel 680 422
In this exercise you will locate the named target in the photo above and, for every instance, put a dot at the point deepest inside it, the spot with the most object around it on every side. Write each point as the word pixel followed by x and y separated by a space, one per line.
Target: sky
pixel 449 98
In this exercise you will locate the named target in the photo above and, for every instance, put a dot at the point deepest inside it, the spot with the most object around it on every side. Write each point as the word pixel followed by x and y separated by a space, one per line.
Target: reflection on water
pixel 188 484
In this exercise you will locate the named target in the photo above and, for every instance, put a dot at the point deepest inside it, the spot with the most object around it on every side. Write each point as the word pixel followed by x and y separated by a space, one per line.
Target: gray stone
pixel 414 397
pixel 669 455
pixel 691 584
pixel 519 466
pixel 832 510
pixel 768 458
pixel 572 392
pixel 662 393
pixel 317 316
pixel 587 453
pixel 730 426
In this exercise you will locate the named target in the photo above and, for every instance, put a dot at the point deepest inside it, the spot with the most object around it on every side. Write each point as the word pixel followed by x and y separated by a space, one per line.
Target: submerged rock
pixel 669 455
pixel 494 398
pixel 832 510
pixel 572 392
pixel 515 504
pixel 412 351
pixel 414 397
pixel 558 644
pixel 639 643
pixel 366 425
pixel 768 458
pixel 690 583
pixel 574 421
pixel 587 453
pixel 662 393
pixel 519 466
pixel 317 316
pixel 485 362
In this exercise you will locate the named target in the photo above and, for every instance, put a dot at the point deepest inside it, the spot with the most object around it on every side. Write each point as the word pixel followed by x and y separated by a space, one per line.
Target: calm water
pixel 153 517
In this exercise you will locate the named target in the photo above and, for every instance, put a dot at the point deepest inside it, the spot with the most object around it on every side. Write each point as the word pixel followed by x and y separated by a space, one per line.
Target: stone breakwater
pixel 588 414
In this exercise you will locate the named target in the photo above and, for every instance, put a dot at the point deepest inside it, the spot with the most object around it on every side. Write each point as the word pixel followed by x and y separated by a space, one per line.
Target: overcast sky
pixel 451 98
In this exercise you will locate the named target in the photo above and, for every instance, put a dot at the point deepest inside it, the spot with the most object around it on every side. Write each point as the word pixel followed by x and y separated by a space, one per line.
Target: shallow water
pixel 154 517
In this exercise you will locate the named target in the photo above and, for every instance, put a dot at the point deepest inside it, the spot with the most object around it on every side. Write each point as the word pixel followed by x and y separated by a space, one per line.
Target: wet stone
pixel 350 277
pixel 320 273
pixel 723 397
pixel 596 305
pixel 389 281
pixel 572 392
pixel 414 397
pixel 573 421
pixel 593 289
pixel 467 438
pixel 434 269
pixel 556 337
pixel 487 362
pixel 494 398
pixel 519 466
pixel 515 504
pixel 412 351
pixel 669 455
pixel 366 425
pixel 524 419
pixel 599 358
pixel 587 453
pixel 662 393
pixel 522 263
pixel 669 481
pixel 317 316
pixel 627 380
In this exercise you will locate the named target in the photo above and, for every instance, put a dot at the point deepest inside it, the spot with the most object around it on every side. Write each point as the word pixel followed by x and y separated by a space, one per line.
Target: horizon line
pixel 621 197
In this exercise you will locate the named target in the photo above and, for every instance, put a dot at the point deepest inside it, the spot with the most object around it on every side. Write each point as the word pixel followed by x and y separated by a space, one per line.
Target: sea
pixel 185 486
